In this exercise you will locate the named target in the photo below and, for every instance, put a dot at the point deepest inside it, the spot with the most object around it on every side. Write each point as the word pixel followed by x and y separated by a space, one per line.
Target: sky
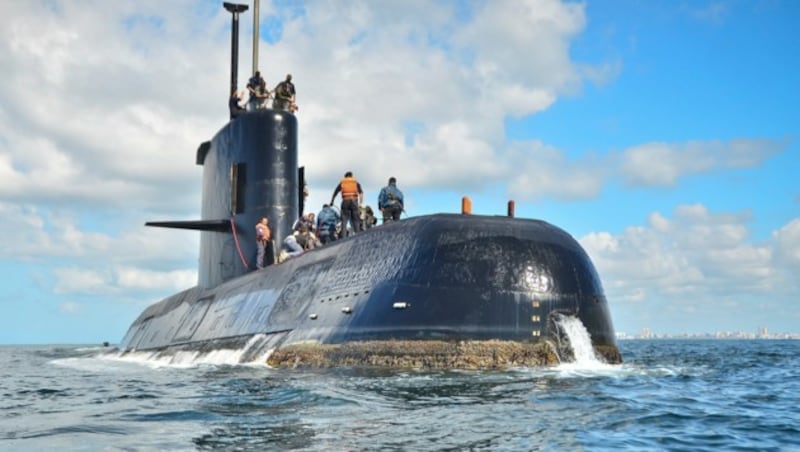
pixel 661 134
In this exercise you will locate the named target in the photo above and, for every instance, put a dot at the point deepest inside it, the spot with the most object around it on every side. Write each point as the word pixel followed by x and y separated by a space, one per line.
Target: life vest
pixel 349 188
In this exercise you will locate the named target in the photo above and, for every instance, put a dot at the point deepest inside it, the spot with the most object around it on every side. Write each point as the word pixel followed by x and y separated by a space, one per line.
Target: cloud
pixel 80 280
pixel 662 164
pixel 34 233
pixel 94 111
pixel 787 246
pixel 120 280
pixel 142 279
pixel 696 261
pixel 535 170
pixel 131 258
pixel 443 74
pixel 696 252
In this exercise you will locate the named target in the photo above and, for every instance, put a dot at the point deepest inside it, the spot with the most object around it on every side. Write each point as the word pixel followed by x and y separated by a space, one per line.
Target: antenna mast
pixel 234 9
pixel 255 36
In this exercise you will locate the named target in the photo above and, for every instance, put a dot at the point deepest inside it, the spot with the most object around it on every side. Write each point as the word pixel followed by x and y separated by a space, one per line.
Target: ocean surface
pixel 668 395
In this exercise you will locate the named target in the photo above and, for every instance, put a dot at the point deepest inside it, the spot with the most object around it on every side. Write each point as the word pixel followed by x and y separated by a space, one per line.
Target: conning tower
pixel 249 171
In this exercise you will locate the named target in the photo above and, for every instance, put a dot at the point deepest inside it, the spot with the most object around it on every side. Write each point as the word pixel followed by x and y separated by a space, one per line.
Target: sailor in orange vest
pixel 352 197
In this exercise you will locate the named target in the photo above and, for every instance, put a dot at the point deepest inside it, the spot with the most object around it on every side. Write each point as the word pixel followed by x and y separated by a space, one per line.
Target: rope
pixel 238 247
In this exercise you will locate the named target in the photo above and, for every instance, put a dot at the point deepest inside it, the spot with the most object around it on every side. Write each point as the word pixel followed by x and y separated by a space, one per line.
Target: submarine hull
pixel 437 279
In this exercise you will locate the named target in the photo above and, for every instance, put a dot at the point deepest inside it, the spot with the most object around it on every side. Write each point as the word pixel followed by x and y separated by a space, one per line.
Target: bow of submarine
pixel 455 277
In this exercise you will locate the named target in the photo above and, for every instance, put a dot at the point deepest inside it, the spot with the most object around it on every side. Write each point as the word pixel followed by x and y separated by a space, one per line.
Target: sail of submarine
pixel 437 291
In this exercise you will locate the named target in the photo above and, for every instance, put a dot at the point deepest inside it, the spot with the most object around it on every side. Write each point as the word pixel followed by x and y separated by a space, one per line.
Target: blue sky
pixel 661 134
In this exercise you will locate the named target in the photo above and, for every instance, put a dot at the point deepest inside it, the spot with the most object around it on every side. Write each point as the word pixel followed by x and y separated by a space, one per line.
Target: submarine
pixel 446 290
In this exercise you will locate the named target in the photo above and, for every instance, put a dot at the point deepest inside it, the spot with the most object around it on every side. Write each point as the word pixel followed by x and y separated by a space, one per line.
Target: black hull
pixel 439 278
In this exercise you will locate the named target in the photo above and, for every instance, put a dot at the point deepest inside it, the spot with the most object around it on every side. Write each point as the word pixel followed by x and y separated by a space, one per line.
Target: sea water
pixel 668 395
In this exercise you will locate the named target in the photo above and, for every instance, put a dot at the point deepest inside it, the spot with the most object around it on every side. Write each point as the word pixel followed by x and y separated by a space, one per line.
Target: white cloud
pixel 787 245
pixel 391 66
pixel 94 112
pixel 662 164
pixel 534 169
pixel 30 232
pixel 525 42
pixel 142 279
pixel 131 257
pixel 120 280
pixel 73 280
pixel 697 262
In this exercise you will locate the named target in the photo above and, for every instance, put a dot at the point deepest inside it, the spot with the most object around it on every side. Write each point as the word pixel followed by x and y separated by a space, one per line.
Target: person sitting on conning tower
pixel 255 86
pixel 234 104
pixel 285 95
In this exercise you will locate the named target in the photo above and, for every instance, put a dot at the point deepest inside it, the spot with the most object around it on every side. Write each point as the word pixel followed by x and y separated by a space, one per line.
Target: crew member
pixel 295 243
pixel 326 224
pixel 254 85
pixel 352 197
pixel 367 216
pixel 285 95
pixel 263 236
pixel 390 201
pixel 234 104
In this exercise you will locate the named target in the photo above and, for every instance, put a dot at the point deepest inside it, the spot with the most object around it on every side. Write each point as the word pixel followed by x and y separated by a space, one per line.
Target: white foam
pixel 586 360
pixel 186 359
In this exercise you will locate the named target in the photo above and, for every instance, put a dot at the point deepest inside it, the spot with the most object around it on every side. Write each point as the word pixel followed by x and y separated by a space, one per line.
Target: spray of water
pixel 575 344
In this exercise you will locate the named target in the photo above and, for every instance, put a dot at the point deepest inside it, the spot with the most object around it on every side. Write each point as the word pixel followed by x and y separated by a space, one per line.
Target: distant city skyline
pixel 761 332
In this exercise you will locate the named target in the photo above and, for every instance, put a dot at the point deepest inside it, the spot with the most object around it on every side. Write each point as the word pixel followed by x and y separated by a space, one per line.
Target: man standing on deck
pixel 327 220
pixel 352 197
pixel 263 236
pixel 390 201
